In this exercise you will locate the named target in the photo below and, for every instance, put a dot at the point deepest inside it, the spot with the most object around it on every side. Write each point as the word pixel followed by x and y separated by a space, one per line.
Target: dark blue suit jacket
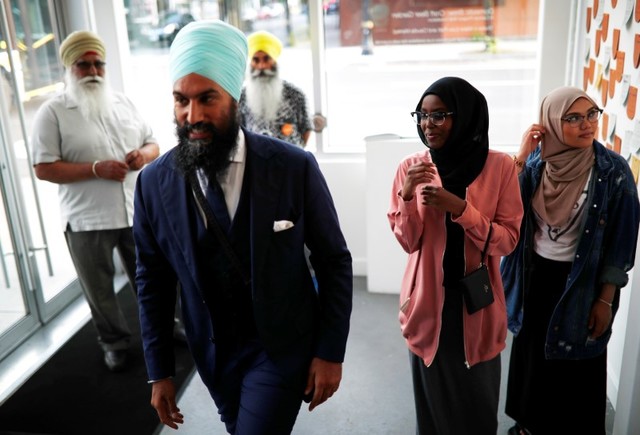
pixel 285 184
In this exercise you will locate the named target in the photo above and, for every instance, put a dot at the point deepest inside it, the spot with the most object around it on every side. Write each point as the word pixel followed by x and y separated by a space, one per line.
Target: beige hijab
pixel 567 169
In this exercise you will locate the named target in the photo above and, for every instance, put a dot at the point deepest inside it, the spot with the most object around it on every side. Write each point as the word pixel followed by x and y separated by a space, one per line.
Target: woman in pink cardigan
pixel 443 201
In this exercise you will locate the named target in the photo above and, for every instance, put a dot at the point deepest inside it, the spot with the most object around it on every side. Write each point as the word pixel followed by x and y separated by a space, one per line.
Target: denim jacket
pixel 604 254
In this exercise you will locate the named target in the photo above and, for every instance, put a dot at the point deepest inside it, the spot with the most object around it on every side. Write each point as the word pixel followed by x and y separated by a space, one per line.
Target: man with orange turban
pixel 268 104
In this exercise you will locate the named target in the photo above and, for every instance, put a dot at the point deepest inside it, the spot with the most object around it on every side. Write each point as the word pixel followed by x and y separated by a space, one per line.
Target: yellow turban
pixel 264 41
pixel 77 44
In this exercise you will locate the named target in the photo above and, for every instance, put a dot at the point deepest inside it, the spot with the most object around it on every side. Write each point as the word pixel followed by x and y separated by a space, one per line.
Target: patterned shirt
pixel 291 122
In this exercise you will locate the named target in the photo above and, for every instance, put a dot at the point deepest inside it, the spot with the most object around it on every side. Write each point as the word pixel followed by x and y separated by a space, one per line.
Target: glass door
pixel 37 277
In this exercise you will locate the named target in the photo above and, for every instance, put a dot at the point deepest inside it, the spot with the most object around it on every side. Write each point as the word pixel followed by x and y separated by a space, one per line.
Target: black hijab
pixel 462 157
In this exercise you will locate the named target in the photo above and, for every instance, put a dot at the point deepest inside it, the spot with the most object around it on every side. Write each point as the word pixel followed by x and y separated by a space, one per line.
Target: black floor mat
pixel 75 394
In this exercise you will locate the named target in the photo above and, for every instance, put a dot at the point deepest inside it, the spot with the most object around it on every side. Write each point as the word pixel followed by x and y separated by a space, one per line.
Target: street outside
pixel 369 94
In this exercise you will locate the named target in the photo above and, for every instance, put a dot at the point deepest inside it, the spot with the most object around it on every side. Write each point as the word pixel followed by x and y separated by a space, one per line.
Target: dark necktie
pixel 215 197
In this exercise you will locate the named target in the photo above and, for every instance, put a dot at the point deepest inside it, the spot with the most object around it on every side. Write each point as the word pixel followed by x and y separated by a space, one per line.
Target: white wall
pixel 386 260
pixel 112 27
pixel 623 358
pixel 346 180
pixel 554 25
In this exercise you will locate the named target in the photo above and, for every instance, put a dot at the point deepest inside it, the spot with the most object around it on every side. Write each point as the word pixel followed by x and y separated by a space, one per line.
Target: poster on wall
pixel 611 73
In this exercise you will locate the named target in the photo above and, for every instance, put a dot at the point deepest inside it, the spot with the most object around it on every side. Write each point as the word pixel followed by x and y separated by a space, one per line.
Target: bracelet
pixel 93 168
pixel 519 163
pixel 605 302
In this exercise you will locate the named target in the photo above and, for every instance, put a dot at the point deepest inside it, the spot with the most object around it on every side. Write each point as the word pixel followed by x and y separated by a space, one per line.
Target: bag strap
pixel 213 225
pixel 486 244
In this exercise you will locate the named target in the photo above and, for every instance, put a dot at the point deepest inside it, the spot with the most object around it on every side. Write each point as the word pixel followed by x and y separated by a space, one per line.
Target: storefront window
pixel 379 55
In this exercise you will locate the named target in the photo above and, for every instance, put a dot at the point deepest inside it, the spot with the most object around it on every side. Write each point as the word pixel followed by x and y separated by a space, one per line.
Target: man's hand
pixel 111 170
pixel 163 399
pixel 323 381
pixel 135 160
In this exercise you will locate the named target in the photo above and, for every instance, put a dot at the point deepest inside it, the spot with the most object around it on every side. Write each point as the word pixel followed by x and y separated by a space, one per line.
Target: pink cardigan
pixel 494 196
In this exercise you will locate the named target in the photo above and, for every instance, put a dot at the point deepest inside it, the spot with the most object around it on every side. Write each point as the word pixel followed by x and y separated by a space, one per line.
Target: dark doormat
pixel 75 394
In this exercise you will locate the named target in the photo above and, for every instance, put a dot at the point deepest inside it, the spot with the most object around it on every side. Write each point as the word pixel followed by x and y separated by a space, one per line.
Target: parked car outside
pixel 331 6
pixel 168 27
pixel 271 10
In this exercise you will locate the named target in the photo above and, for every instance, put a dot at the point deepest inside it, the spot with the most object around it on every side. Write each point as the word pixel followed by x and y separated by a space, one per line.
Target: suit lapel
pixel 265 172
pixel 265 178
pixel 176 203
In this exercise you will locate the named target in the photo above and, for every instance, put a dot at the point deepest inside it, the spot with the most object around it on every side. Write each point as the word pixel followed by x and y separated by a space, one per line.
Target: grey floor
pixel 375 396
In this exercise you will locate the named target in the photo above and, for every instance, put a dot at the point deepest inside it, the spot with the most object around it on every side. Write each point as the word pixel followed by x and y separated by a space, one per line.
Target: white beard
pixel 92 94
pixel 264 95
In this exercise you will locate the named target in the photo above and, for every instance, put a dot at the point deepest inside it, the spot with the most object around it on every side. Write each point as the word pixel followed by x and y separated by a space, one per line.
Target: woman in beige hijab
pixel 563 281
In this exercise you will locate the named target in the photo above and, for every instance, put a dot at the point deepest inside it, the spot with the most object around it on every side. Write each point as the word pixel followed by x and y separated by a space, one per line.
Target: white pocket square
pixel 281 225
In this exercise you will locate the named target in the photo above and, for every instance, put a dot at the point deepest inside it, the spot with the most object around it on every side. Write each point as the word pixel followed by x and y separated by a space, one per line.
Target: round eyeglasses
pixel 86 65
pixel 436 118
pixel 576 120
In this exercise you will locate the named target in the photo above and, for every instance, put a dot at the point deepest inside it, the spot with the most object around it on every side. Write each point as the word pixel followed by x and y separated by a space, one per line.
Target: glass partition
pixel 378 56
pixel 35 266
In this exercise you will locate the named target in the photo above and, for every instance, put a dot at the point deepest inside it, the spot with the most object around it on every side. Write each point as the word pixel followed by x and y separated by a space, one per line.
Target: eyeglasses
pixel 86 66
pixel 576 120
pixel 437 118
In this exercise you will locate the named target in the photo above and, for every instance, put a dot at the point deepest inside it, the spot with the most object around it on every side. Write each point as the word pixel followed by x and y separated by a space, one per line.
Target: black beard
pixel 213 155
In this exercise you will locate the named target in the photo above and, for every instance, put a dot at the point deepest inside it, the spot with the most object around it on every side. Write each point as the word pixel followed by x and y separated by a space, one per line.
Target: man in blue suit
pixel 263 337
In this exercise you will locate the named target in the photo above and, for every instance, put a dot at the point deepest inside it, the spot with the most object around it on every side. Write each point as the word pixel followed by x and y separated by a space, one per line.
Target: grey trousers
pixel 92 255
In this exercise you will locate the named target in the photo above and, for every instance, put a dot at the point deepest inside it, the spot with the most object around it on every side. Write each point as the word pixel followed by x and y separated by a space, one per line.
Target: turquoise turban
pixel 212 49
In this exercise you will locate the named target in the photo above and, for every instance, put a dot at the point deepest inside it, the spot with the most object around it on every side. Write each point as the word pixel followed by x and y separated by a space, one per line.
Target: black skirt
pixel 552 396
pixel 450 398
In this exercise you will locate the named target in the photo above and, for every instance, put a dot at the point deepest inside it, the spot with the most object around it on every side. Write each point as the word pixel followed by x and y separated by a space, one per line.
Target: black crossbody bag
pixel 476 287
